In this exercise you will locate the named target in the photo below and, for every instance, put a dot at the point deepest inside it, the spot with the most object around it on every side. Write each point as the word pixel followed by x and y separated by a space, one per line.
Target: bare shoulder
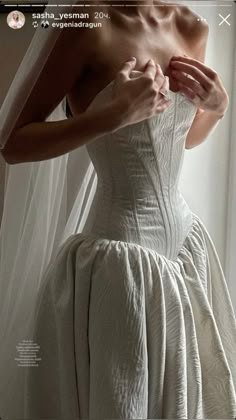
pixel 67 61
pixel 194 30
pixel 190 23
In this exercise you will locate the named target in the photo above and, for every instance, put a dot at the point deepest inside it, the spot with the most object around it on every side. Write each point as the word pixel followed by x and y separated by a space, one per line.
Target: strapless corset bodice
pixel 138 167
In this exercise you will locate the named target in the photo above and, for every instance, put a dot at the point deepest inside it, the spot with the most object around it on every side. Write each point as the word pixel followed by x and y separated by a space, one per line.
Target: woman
pixel 133 318
pixel 16 21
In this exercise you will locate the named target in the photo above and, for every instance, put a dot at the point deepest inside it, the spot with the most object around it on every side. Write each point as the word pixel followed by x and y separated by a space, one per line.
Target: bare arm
pixel 212 100
pixel 64 67
pixel 204 122
pixel 203 125
pixel 215 102
pixel 34 139
pixel 45 140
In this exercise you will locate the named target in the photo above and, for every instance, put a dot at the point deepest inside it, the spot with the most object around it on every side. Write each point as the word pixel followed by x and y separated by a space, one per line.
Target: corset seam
pixel 133 196
pixel 109 214
pixel 161 189
pixel 137 168
pixel 173 245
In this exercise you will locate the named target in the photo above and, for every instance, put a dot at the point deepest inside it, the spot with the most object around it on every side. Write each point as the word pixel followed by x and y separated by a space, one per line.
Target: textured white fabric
pixel 133 317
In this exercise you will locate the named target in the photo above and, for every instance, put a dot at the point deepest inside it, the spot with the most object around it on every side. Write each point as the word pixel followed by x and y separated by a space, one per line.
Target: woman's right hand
pixel 142 97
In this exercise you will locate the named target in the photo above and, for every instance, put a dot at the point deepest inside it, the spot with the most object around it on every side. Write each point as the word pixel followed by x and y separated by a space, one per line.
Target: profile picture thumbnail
pixel 16 19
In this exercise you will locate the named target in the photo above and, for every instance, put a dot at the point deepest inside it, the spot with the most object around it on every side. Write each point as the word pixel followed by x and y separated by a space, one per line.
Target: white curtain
pixel 231 209
pixel 207 173
pixel 44 203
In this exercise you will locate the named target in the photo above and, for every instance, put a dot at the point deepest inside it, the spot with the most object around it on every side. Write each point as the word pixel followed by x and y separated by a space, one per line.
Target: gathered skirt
pixel 125 333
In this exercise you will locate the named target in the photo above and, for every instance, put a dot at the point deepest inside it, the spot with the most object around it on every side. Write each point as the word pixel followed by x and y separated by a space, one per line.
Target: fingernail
pixel 164 93
pixel 132 59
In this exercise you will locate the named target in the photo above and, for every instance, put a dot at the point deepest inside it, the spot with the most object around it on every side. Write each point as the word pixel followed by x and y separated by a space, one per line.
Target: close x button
pixel 224 19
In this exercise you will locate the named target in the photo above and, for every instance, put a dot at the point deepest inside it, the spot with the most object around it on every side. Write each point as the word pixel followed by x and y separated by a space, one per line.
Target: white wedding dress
pixel 133 317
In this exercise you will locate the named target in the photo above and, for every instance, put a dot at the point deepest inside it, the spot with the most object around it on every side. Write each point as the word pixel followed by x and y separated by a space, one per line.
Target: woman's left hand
pixel 204 87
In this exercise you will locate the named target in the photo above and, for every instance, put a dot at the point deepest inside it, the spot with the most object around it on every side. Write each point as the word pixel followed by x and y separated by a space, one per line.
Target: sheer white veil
pixel 44 203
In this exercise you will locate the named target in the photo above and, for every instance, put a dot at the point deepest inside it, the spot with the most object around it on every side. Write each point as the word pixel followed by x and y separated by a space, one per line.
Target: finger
pixel 126 69
pixel 192 71
pixel 160 79
pixel 201 66
pixel 190 95
pixel 167 82
pixel 190 83
pixel 165 87
pixel 165 105
pixel 151 69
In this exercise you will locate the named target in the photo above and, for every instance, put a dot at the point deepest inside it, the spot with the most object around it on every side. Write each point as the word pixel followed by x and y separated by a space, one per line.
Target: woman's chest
pixel 111 49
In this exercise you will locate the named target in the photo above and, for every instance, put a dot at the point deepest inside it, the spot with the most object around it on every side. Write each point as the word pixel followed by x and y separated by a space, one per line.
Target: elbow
pixel 9 153
pixel 10 160
pixel 188 146
pixel 189 143
pixel 9 157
